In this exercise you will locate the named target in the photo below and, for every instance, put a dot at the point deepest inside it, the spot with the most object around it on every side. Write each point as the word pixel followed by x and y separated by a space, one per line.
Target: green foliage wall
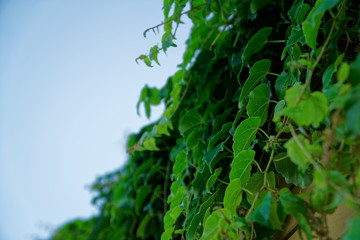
pixel 262 121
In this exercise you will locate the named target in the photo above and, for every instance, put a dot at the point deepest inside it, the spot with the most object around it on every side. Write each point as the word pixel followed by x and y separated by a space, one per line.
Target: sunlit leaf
pixel 312 108
pixel 150 144
pixel 301 155
pixel 215 224
pixel 233 195
pixel 180 164
pixel 241 166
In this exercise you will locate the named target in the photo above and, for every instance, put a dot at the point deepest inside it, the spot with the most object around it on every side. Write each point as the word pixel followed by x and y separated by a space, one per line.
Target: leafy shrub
pixel 264 107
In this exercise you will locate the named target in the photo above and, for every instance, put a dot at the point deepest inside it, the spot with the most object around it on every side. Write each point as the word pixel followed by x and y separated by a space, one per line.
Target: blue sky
pixel 68 90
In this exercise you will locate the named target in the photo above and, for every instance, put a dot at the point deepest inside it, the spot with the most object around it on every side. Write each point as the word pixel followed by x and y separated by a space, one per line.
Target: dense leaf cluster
pixel 262 124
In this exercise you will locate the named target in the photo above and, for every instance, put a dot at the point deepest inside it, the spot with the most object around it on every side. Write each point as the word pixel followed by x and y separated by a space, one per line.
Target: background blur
pixel 68 92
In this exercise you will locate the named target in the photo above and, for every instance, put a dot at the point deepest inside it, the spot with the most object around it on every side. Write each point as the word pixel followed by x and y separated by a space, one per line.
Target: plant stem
pixel 222 181
pixel 276 41
pixel 258 166
pixel 267 168
pixel 253 204
pixel 264 133
pixel 228 149
pixel 274 74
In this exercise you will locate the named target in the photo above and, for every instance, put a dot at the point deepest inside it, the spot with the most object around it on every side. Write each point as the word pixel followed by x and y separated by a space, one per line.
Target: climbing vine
pixel 261 127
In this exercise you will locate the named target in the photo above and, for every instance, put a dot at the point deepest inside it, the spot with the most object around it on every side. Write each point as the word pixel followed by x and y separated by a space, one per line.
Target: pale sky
pixel 69 86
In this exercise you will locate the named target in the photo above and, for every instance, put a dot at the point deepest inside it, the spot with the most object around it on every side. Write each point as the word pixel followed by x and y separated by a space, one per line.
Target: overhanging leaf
pixel 245 133
pixel 233 195
pixel 255 44
pixel 198 217
pixel 180 164
pixel 257 72
pixel 241 166
pixel 215 224
pixel 259 103
pixel 212 179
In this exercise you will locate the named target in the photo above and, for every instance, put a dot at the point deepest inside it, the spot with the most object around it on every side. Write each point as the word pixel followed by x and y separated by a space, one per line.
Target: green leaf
pixel 281 84
pixel 353 230
pixel 219 135
pixel 259 103
pixel 149 96
pixel 150 144
pixel 216 224
pixel 146 60
pixel 255 44
pixel 301 155
pixel 141 170
pixel 310 110
pixel 352 108
pixel 330 70
pixel 241 166
pixel 289 171
pixel 210 155
pixel 343 73
pixel 141 194
pixel 189 121
pixel 296 36
pixel 167 234
pixel 194 137
pixel 233 195
pixel 178 193
pixel 141 230
pixel 295 206
pixel 180 164
pixel 154 53
pixel 292 204
pixel 313 20
pixel 200 179
pixel 245 133
pixel 354 75
pixel 255 5
pixel 278 110
pixel 199 216
pixel 294 10
pixel 212 179
pixel 257 72
pixel 167 41
pixel 302 13
pixel 266 213
pixel 164 126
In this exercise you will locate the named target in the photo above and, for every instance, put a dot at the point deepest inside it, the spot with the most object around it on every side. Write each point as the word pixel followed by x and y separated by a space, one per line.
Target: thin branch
pixel 170 20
